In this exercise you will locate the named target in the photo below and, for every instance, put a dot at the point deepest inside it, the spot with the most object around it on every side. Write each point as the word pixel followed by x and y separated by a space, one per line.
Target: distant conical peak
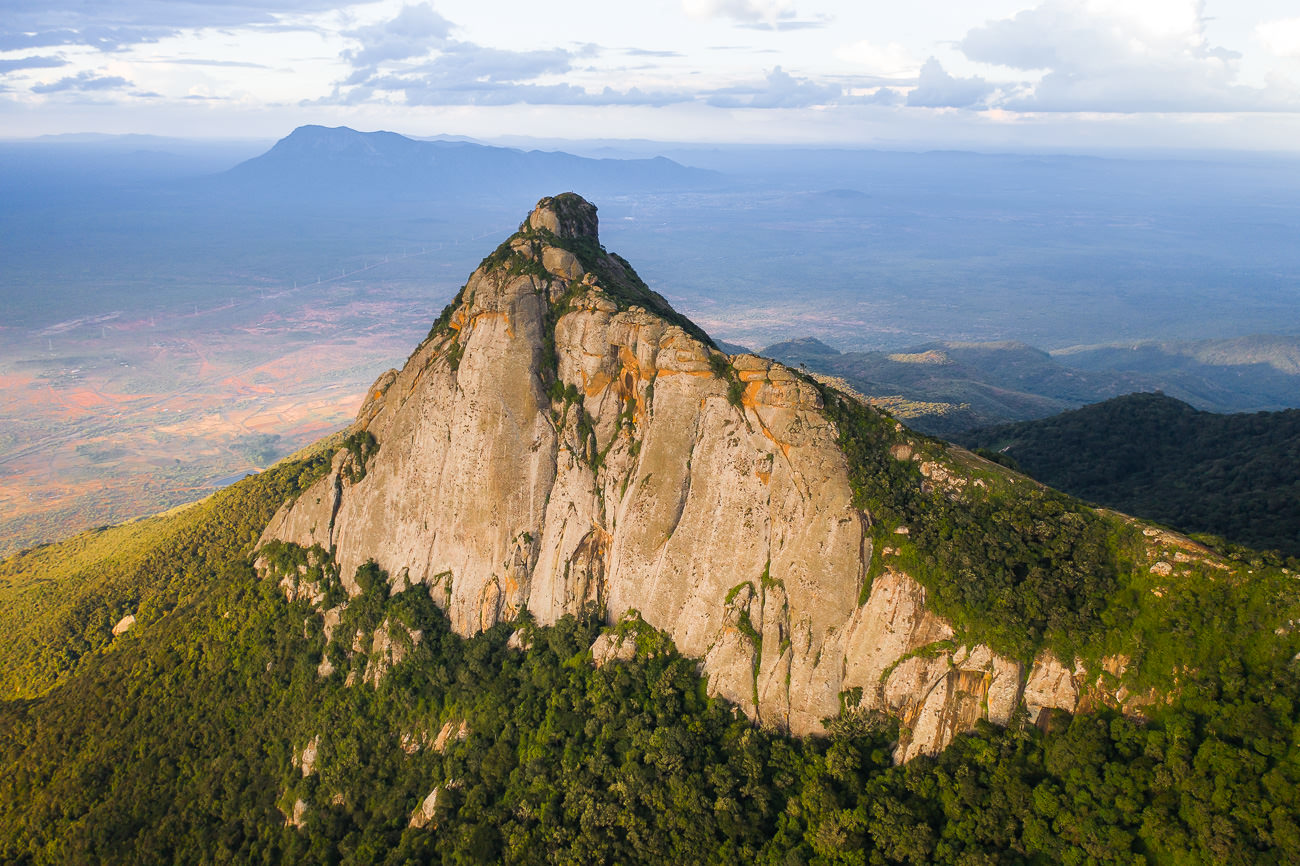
pixel 567 216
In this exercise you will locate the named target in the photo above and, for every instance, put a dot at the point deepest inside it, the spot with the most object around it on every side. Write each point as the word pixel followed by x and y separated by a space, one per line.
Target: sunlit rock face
pixel 563 439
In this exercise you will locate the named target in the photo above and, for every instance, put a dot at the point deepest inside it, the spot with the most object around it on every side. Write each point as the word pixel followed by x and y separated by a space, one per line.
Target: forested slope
pixel 186 740
pixel 1237 476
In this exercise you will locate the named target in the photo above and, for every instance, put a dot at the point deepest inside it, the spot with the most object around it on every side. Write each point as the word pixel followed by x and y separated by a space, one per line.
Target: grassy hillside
pixel 229 709
pixel 1237 476
pixel 60 602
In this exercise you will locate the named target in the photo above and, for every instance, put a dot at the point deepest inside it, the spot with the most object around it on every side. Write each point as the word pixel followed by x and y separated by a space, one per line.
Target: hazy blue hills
pixel 320 162
pixel 158 224
pixel 1237 476
pixel 981 384
pixel 962 385
pixel 1258 372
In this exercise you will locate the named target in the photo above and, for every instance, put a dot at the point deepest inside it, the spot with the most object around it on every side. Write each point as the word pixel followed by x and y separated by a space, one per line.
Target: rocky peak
pixel 567 216
pixel 565 439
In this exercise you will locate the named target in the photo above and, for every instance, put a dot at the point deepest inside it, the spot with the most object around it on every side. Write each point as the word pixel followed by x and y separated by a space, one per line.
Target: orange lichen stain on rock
pixel 511 585
pixel 486 314
pixel 629 363
pixel 749 400
pixel 706 374
pixel 771 437
pixel 595 384
pixel 765 477
pixel 629 378
pixel 602 537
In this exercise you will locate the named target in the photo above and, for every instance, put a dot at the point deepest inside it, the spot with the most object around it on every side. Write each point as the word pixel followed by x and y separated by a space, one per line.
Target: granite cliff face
pixel 563 438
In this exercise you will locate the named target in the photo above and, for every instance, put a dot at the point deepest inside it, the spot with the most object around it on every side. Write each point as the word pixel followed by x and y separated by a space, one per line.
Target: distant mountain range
pixel 943 388
pixel 317 162
pixel 1258 372
pixel 1237 476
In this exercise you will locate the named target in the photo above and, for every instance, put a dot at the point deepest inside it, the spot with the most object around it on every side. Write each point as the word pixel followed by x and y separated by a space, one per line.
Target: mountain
pixel 944 388
pixel 1242 374
pixel 315 162
pixel 1237 476
pixel 472 629
pixel 562 438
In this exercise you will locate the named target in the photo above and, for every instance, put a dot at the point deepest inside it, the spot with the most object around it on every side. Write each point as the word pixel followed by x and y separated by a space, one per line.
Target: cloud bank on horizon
pixel 687 69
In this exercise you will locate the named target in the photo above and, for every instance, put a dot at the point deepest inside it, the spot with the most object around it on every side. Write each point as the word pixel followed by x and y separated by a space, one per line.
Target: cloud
pixel 452 72
pixel 779 90
pixel 935 88
pixel 196 61
pixel 1108 56
pixel 84 82
pixel 105 38
pixel 414 56
pixel 802 24
pixel 419 92
pixel 754 14
pixel 415 32
pixel 885 61
pixel 467 66
pixel 112 26
pixel 647 52
pixel 467 63
pixel 432 90
pixel 420 59
pixel 884 96
pixel 749 11
pixel 1281 38
pixel 7 66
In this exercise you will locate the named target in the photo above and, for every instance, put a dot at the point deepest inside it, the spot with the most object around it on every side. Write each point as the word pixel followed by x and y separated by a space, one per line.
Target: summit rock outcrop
pixel 563 438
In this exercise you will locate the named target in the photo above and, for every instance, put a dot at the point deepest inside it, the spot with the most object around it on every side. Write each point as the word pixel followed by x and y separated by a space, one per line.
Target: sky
pixel 1082 74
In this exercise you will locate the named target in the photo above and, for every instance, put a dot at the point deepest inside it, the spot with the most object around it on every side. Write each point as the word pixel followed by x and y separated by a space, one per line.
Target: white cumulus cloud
pixel 756 14
pixel 1117 56
pixel 935 88
pixel 413 33
pixel 740 10
pixel 1281 38
pixel 779 89
pixel 891 60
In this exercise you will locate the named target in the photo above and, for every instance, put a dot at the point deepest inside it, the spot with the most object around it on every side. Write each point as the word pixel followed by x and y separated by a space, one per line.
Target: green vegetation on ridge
pixel 1020 568
pixel 1023 568
pixel 60 602
pixel 1237 476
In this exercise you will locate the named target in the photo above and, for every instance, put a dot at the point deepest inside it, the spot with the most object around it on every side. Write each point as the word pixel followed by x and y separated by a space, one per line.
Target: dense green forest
pixel 1235 476
pixel 184 740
